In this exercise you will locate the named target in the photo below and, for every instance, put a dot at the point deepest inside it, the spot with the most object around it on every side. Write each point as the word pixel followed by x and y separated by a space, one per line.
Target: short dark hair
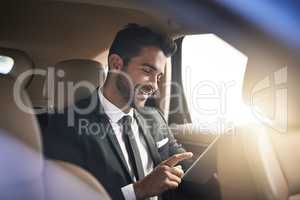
pixel 132 38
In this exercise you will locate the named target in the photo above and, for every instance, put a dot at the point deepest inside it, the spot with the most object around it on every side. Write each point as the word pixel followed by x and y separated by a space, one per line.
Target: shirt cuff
pixel 128 192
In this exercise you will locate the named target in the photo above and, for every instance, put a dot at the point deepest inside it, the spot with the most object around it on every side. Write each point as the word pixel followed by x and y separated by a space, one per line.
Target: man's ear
pixel 115 62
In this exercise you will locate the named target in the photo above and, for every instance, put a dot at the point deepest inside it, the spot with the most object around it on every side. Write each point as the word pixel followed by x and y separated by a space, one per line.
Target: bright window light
pixel 212 75
pixel 6 64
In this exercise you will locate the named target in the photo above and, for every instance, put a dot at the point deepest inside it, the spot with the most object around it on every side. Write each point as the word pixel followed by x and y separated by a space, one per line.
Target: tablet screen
pixel 204 166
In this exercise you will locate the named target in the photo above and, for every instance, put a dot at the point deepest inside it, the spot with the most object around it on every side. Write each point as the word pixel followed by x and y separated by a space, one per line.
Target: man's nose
pixel 154 83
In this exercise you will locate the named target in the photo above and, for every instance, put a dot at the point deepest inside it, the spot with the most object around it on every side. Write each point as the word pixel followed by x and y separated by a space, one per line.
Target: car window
pixel 6 64
pixel 212 76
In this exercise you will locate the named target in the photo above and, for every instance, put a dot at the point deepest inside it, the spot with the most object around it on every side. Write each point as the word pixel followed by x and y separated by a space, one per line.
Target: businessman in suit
pixel 124 144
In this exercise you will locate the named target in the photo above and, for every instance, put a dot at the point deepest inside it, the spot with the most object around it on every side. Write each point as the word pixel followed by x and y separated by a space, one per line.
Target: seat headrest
pixel 15 117
pixel 61 176
pixel 21 170
pixel 22 62
pixel 73 80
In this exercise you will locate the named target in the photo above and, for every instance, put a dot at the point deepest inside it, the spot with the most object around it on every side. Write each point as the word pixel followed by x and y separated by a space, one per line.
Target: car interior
pixel 48 46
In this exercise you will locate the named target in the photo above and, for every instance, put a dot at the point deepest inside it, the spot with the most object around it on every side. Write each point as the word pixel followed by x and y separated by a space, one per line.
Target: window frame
pixel 182 115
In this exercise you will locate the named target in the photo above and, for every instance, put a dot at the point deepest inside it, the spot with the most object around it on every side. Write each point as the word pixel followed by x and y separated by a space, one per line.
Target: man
pixel 124 144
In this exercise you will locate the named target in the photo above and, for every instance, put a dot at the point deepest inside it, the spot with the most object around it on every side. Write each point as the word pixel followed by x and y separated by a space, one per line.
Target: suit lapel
pixel 116 146
pixel 148 138
pixel 101 117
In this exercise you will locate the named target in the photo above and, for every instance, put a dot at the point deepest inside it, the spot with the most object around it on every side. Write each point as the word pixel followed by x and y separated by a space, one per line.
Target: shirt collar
pixel 113 112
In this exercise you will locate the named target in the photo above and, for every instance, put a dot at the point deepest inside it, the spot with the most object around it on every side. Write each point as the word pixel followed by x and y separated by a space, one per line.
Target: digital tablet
pixel 204 166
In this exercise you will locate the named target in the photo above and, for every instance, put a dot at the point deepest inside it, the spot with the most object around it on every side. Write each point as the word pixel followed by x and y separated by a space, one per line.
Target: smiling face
pixel 144 72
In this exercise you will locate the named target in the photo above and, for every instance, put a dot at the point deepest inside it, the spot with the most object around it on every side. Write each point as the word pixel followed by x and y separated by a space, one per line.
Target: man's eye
pixel 147 70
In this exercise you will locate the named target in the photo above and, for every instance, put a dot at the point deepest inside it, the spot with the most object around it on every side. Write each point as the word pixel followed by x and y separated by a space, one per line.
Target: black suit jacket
pixel 87 139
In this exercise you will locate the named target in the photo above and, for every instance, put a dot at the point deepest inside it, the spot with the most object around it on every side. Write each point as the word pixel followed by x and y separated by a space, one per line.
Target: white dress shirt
pixel 115 114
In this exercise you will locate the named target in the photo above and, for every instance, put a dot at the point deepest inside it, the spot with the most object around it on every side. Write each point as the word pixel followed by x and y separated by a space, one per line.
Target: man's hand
pixel 165 176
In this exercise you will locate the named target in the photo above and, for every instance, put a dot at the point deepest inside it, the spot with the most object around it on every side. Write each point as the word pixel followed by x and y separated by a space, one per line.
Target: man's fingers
pixel 177 171
pixel 171 184
pixel 178 167
pixel 173 160
pixel 174 178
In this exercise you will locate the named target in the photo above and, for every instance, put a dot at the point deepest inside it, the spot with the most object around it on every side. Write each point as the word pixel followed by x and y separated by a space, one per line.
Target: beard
pixel 134 95
pixel 125 89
